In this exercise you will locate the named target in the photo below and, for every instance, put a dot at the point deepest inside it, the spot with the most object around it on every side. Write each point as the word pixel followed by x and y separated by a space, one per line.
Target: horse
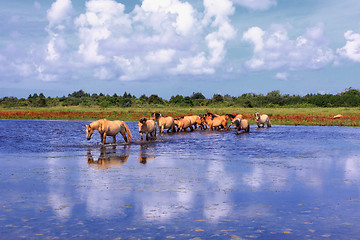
pixel 195 120
pixel 261 120
pixel 338 116
pixel 108 128
pixel 241 124
pixel 232 117
pixel 147 127
pixel 183 123
pixel 163 122
pixel 214 121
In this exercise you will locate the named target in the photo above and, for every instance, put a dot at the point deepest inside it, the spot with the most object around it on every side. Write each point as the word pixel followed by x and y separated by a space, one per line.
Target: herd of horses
pixel 148 127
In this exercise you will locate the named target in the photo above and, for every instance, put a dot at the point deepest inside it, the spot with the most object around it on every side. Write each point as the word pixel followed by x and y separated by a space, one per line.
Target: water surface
pixel 284 182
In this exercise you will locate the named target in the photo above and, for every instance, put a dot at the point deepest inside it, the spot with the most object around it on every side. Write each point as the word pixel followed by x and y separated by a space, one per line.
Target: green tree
pixel 177 100
pixel 197 95
pixel 217 98
pixel 155 99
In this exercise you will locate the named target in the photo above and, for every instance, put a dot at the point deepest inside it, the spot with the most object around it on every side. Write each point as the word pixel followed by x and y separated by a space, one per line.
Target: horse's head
pixel 176 122
pixel 257 115
pixel 89 132
pixel 237 122
pixel 155 116
pixel 231 116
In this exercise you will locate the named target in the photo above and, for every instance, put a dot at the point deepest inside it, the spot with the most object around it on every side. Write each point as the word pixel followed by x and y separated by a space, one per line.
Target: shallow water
pixel 284 182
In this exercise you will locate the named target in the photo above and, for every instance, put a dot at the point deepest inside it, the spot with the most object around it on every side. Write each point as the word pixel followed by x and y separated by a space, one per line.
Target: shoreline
pixel 278 116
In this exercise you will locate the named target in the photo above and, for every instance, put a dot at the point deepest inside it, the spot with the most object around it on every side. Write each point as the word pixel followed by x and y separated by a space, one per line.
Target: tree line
pixel 348 98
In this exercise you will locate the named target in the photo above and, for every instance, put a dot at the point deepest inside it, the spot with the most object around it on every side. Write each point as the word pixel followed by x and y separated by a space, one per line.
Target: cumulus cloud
pixel 256 4
pixel 155 38
pixel 59 11
pixel 351 50
pixel 273 49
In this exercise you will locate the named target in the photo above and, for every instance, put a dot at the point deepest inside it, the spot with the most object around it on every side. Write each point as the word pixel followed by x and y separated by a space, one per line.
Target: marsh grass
pixel 282 116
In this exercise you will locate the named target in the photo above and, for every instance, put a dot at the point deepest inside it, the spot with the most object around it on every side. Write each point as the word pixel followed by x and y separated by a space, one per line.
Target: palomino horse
pixel 163 122
pixel 195 120
pixel 233 117
pixel 108 128
pixel 241 124
pixel 147 127
pixel 261 120
pixel 183 123
pixel 214 121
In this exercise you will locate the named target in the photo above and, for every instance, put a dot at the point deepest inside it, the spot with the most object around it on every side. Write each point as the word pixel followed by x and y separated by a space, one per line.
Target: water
pixel 284 182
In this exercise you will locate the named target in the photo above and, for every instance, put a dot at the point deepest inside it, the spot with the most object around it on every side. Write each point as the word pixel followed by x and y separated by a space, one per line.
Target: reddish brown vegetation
pixel 293 119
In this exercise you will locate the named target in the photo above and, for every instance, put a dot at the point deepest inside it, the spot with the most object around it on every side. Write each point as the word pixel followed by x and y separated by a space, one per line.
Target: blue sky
pixel 170 47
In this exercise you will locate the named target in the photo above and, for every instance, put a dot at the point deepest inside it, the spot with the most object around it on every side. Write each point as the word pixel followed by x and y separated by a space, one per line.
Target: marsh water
pixel 285 182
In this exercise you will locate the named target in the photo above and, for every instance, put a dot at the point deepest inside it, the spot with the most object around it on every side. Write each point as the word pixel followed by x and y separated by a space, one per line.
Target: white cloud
pixel 193 65
pixel 256 4
pixel 255 36
pixel 154 39
pixel 273 49
pixel 103 73
pixel 351 50
pixel 282 76
pixel 59 11
pixel 160 56
pixel 159 37
pixel 183 12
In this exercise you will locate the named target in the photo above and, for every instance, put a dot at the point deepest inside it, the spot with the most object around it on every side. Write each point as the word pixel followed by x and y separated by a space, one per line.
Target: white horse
pixel 261 120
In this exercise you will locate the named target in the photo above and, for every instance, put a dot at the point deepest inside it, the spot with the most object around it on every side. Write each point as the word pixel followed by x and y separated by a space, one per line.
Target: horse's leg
pixel 114 138
pixel 147 137
pixel 123 133
pixel 104 137
pixel 101 137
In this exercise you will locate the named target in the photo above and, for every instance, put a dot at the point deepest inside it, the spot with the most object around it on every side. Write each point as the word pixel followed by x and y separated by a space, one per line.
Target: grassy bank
pixel 283 116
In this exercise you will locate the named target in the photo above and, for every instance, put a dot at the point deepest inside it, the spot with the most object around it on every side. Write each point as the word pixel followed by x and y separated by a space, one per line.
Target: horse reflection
pixel 108 157
pixel 143 156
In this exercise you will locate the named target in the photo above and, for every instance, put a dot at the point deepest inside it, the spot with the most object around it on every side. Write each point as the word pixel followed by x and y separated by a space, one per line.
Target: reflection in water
pixel 59 200
pixel 108 157
pixel 218 204
pixel 352 169
pixel 143 156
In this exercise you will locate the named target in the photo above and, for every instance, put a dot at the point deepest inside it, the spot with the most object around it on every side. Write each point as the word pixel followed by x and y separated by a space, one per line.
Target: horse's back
pixel 168 122
pixel 150 125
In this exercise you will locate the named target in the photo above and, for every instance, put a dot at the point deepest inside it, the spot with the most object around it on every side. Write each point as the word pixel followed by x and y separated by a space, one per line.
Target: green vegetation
pixel 349 98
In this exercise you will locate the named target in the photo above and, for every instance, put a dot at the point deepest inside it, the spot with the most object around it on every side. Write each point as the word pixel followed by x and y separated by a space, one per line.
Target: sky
pixel 170 47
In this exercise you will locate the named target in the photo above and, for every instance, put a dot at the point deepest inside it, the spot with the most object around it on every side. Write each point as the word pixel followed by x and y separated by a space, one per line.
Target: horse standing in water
pixel 108 128
pixel 261 120
pixel 241 124
pixel 163 122
pixel 147 127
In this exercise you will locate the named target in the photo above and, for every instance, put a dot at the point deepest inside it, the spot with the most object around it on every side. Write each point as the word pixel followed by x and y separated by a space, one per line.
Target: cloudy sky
pixel 170 47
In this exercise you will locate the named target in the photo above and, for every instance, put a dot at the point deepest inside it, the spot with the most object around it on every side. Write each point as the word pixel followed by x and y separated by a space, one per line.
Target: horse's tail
pixel 128 132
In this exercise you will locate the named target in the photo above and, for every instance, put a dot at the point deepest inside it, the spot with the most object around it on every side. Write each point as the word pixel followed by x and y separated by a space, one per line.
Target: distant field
pixel 278 116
